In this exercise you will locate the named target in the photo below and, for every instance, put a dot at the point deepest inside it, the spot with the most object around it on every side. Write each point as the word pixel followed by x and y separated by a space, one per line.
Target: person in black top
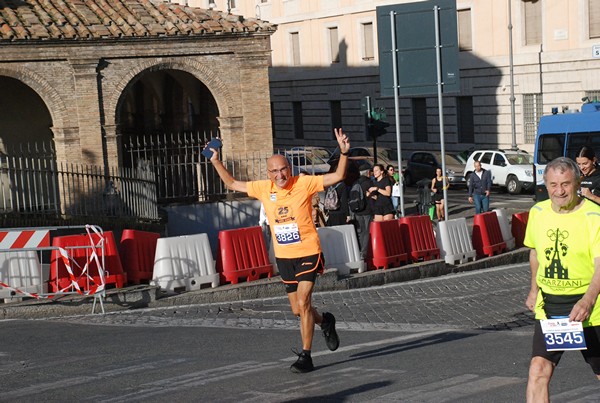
pixel 341 216
pixel 381 191
pixel 361 218
pixel 590 181
pixel 437 187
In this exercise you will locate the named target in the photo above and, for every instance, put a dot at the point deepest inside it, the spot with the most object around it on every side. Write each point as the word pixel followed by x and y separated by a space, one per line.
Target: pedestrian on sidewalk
pixel 437 187
pixel 287 200
pixel 480 184
pixel 381 193
pixel 395 178
pixel 563 233
pixel 339 214
pixel 588 165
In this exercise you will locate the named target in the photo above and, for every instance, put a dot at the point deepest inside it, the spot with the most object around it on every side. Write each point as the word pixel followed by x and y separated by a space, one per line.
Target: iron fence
pixel 41 186
pixel 182 174
pixel 158 170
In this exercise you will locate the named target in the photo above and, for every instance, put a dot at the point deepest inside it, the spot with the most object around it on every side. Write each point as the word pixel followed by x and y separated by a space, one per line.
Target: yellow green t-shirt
pixel 289 211
pixel 566 245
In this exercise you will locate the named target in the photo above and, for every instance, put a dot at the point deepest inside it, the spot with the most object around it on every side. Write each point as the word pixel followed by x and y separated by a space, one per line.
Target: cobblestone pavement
pixel 489 299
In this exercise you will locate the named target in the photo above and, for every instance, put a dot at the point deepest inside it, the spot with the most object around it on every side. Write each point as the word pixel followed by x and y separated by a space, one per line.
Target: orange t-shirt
pixel 289 211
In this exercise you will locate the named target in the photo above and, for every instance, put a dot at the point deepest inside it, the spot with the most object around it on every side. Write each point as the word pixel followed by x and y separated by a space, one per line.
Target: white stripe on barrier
pixel 34 240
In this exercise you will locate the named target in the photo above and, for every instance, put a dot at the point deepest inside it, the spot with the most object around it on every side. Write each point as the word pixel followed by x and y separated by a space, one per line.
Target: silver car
pixel 306 161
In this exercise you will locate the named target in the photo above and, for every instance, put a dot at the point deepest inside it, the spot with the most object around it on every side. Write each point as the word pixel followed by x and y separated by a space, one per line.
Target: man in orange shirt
pixel 287 202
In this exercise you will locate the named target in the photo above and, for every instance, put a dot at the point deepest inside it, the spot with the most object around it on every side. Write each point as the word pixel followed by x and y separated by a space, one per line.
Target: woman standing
pixel 588 165
pixel 395 178
pixel 381 192
pixel 437 187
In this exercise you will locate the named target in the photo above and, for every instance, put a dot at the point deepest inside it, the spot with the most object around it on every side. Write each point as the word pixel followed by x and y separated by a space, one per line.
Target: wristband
pixel 346 153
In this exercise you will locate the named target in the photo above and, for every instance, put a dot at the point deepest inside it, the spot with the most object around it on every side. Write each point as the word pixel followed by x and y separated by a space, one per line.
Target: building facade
pixel 325 61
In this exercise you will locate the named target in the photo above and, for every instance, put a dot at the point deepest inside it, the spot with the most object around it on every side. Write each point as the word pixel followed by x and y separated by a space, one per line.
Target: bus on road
pixel 562 135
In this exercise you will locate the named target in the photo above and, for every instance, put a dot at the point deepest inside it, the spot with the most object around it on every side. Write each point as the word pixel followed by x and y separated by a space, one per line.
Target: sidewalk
pixel 143 296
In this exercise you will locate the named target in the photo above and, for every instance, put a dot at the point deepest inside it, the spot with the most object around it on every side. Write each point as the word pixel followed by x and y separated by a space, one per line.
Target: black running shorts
pixel 591 355
pixel 293 271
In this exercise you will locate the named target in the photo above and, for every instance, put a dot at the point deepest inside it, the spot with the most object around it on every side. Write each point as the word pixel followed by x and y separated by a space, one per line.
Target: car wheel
pixel 513 185
pixel 407 179
pixel 468 179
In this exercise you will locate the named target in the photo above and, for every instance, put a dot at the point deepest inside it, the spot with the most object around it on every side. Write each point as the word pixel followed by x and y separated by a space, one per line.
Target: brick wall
pixel 82 85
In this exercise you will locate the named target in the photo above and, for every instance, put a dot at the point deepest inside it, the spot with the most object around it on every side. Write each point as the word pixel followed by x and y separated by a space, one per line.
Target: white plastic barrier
pixel 505 228
pixel 454 241
pixel 184 261
pixel 340 248
pixel 22 270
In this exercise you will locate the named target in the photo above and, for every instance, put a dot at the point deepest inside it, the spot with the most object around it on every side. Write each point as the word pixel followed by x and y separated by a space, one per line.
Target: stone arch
pixel 218 88
pixel 53 101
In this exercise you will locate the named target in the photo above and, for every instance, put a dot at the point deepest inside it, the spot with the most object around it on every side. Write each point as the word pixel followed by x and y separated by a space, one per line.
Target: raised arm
pixel 340 173
pixel 228 180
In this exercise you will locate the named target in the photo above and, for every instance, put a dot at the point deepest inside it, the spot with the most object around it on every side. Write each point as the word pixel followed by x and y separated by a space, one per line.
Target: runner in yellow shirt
pixel 564 236
pixel 287 202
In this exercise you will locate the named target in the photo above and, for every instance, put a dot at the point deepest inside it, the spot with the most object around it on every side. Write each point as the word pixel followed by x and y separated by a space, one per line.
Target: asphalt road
pixel 457 338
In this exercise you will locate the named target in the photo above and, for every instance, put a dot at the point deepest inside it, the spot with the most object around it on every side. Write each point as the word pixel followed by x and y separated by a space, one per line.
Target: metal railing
pixel 158 170
pixel 183 175
pixel 30 186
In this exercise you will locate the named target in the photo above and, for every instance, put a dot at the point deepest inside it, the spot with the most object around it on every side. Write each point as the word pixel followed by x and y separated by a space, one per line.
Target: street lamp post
pixel 512 79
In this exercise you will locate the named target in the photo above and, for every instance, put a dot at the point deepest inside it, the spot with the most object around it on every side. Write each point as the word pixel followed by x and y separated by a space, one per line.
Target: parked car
pixel 308 161
pixel 422 165
pixel 319 151
pixel 512 170
pixel 385 156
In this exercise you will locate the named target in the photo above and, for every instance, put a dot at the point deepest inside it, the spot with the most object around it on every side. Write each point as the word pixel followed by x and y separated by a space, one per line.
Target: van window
pixel 550 146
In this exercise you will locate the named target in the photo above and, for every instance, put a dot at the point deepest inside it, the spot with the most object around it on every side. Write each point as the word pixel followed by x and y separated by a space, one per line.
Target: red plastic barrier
pixel 59 277
pixel 243 255
pixel 418 237
pixel 137 255
pixel 387 247
pixel 518 226
pixel 487 235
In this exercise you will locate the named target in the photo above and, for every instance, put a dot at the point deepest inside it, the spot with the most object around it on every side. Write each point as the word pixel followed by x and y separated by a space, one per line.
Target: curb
pixel 146 296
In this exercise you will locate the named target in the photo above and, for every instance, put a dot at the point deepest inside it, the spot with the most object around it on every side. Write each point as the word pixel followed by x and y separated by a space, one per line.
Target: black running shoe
pixel 303 364
pixel 328 326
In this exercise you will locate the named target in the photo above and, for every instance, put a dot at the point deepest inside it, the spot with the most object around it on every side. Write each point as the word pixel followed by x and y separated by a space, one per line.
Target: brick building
pixel 87 74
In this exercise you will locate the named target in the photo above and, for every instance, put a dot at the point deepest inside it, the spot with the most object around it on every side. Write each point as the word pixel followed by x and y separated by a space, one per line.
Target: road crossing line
pixel 456 388
pixel 585 394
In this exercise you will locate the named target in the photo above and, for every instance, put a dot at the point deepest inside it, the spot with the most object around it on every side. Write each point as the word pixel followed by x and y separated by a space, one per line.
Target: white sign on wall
pixel 596 51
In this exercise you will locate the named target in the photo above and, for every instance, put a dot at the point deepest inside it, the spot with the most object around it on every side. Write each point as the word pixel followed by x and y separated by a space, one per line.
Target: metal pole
pixel 512 79
pixel 397 107
pixel 438 59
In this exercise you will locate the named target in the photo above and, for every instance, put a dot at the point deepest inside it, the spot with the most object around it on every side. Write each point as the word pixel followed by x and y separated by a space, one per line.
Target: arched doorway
pixel 164 117
pixel 25 120
pixel 27 156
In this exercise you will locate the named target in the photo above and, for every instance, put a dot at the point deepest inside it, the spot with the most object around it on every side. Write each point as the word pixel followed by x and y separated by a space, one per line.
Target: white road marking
pixel 455 388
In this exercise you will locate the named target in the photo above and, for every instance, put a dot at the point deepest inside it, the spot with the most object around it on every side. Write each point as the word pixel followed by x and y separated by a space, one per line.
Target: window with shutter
pixel 419 107
pixel 594 18
pixel 465 38
pixel 368 47
pixel 334 45
pixel 533 22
